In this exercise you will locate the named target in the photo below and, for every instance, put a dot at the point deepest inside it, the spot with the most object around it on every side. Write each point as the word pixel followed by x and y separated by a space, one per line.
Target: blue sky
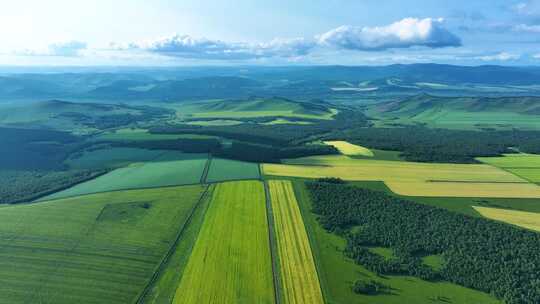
pixel 278 32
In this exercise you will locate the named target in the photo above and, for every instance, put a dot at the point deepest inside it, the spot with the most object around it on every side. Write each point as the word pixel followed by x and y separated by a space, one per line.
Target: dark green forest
pixel 478 253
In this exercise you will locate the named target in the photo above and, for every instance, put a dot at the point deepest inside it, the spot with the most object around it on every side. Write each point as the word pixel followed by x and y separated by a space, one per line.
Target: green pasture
pixel 227 170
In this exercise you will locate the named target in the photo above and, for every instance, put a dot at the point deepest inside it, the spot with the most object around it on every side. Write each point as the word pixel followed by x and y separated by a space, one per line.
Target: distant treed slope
pixel 441 145
pixel 477 253
pixel 419 104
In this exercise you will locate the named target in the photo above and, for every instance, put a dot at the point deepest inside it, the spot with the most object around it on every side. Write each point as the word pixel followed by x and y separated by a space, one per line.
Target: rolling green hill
pixel 79 117
pixel 461 112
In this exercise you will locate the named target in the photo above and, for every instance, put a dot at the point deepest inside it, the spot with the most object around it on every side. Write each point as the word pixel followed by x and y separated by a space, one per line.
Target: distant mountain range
pixel 177 84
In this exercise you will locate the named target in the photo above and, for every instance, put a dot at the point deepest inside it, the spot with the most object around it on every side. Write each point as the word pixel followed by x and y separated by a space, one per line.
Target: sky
pixel 273 32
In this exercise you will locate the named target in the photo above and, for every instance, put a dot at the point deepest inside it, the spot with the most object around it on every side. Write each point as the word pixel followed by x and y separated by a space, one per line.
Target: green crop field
pixel 227 170
pixel 111 157
pixel 142 175
pixel 142 135
pixel 337 273
pixel 532 174
pixel 299 278
pixel 100 248
pixel 412 179
pixel 230 262
pixel 520 160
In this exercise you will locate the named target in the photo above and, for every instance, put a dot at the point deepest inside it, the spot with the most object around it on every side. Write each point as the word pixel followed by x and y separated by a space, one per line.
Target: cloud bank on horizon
pixel 501 32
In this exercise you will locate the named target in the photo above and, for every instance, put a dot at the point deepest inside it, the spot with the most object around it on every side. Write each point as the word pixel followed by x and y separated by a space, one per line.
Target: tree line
pixel 477 253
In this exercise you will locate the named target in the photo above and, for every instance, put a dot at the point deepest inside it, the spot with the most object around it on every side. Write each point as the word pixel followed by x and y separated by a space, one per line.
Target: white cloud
pixel 527 28
pixel 406 33
pixel 536 56
pixel 528 9
pixel 185 46
pixel 503 56
pixel 62 49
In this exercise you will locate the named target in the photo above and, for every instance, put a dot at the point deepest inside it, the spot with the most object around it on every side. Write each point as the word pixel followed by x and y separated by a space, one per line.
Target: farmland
pixel 412 179
pixel 227 170
pixel 526 166
pixel 230 262
pixel 529 220
pixel 298 273
pixel 142 175
pixel 100 248
pixel 349 149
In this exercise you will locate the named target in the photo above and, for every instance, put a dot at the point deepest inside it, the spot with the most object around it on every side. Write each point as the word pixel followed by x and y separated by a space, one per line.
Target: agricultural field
pixel 529 220
pixel 338 273
pixel 111 157
pixel 227 170
pixel 142 175
pixel 349 149
pixel 524 165
pixel 412 179
pixel 135 134
pixel 230 262
pixel 300 281
pixel 100 248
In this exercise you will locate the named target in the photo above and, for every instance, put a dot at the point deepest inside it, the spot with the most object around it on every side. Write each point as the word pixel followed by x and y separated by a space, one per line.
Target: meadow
pixel 227 170
pixel 337 273
pixel 300 282
pixel 142 175
pixel 230 262
pixel 349 149
pixel 100 248
pixel 412 179
pixel 529 220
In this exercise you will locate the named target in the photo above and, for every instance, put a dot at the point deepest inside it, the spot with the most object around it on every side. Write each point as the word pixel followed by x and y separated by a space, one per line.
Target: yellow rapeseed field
pixel 347 148
pixel 411 178
pixel 299 277
pixel 529 220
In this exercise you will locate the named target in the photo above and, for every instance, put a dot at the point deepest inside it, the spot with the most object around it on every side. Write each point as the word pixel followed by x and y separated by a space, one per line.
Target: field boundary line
pixel 206 169
pixel 303 205
pixel 273 244
pixel 159 269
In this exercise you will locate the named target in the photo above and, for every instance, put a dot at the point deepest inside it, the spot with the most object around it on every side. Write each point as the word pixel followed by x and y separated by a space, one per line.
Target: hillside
pixel 461 112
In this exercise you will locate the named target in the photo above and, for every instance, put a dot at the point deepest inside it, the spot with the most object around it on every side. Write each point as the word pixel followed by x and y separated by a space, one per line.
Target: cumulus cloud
pixel 185 46
pixel 406 33
pixel 503 56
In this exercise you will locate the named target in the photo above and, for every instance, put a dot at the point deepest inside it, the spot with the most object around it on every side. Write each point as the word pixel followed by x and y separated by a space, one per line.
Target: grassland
pixel 282 121
pixel 228 170
pixel 412 179
pixel 142 175
pixel 230 262
pixel 215 122
pixel 299 277
pixel 349 149
pixel 529 220
pixel 338 273
pixel 100 248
